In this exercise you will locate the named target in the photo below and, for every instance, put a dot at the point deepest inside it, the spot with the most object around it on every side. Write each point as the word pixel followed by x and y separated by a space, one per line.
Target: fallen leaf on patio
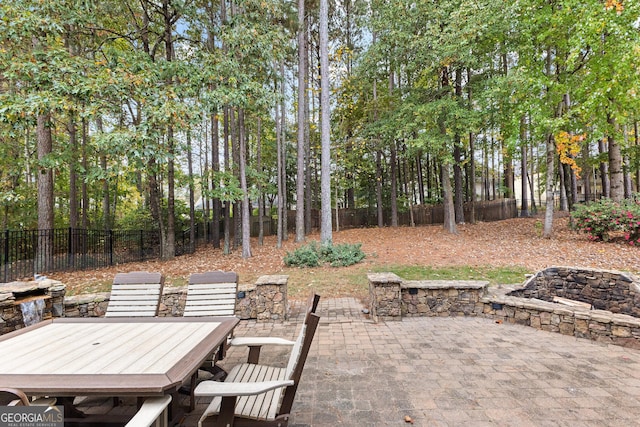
pixel 408 419
pixel 499 321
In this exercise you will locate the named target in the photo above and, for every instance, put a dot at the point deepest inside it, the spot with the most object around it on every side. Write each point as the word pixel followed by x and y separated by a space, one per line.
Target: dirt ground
pixel 514 242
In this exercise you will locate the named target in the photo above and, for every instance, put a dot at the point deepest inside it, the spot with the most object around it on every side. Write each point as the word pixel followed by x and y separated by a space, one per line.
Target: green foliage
pixel 605 217
pixel 305 256
pixel 313 254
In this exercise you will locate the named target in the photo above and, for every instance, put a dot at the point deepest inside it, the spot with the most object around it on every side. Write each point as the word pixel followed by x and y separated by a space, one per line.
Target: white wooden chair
pixel 135 294
pixel 212 294
pixel 258 395
pixel 153 412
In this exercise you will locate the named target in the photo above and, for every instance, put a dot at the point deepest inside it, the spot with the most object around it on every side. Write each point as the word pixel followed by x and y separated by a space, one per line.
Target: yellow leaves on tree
pixel 614 4
pixel 568 147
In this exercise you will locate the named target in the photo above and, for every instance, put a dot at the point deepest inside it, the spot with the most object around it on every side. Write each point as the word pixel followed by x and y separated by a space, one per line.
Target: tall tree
pixel 302 90
pixel 326 231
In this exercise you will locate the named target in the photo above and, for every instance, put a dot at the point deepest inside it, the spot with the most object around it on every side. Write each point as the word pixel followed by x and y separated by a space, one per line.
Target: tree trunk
pixel 636 136
pixel 615 163
pixel 420 178
pixel 84 218
pixel 394 185
pixel 457 160
pixel 215 168
pixel 227 208
pixel 302 56
pixel 604 171
pixel 73 175
pixel 587 171
pixel 458 197
pixel 628 185
pixel 564 205
pixel 45 195
pixel 524 204
pixel 307 135
pixel 548 215
pixel 170 242
pixel 192 202
pixel 472 178
pixel 449 210
pixel 280 174
pixel 531 186
pixel 379 205
pixel 235 155
pixel 106 197
pixel 259 183
pixel 326 232
pixel 246 214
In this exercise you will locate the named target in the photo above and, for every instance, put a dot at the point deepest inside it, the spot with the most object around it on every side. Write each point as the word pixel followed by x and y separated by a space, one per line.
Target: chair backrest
pixel 212 293
pixel 135 294
pixel 312 305
pixel 297 360
pixel 13 397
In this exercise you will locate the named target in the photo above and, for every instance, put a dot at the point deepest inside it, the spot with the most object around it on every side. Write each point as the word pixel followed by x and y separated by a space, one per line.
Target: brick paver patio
pixel 449 372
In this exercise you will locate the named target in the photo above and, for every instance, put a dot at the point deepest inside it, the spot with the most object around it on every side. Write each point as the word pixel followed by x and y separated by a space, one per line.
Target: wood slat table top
pixel 109 356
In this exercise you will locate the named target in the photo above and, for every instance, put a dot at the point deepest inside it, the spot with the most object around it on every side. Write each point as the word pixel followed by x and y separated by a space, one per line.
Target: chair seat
pixel 259 407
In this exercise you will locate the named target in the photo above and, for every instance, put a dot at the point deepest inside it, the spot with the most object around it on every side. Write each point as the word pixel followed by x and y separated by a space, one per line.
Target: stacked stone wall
pixel 392 298
pixel 614 291
pixel 442 297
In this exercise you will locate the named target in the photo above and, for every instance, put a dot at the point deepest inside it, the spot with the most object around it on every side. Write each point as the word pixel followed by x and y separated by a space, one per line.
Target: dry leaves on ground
pixel 514 242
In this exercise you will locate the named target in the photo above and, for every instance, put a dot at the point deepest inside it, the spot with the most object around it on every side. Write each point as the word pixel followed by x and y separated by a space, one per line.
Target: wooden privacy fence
pixel 494 210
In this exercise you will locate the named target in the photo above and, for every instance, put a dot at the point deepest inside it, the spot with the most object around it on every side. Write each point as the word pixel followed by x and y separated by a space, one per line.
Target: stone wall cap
pixel 85 298
pixel 25 287
pixel 625 320
pixel 7 296
pixel 623 274
pixel 172 290
pixel 274 279
pixel 384 278
pixel 601 316
pixel 444 284
pixel 246 287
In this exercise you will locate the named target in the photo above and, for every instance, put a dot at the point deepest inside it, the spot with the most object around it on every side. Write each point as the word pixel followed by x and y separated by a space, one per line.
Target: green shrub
pixel 304 256
pixel 313 254
pixel 344 255
pixel 603 217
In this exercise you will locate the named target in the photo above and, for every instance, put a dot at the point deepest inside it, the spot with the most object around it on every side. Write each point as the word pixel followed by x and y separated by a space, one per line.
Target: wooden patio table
pixel 109 356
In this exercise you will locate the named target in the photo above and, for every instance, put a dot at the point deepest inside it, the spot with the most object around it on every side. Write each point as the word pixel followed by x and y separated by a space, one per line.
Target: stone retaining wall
pixel 392 298
pixel 598 325
pixel 441 297
pixel 609 290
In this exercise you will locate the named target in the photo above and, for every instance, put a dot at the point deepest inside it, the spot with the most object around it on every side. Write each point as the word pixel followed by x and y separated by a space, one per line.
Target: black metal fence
pixel 25 252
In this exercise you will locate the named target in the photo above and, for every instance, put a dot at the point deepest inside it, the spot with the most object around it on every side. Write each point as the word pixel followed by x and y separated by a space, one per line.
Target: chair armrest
pixel 216 388
pixel 259 341
pixel 152 409
pixel 256 343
